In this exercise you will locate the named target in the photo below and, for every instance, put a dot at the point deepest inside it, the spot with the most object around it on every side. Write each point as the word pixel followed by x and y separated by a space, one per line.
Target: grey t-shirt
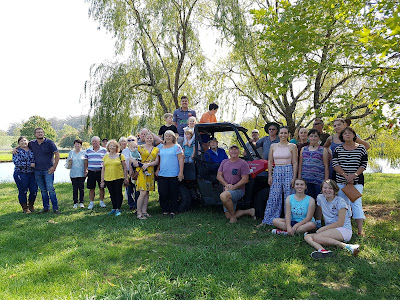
pixel 330 210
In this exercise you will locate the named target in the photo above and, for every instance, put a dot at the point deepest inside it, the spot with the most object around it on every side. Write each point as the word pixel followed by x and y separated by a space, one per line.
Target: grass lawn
pixel 83 254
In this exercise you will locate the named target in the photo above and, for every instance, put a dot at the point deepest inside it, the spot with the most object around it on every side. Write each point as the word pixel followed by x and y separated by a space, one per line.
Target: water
pixel 61 175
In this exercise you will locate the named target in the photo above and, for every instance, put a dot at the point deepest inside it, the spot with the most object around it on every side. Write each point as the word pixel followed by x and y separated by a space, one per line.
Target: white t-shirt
pixel 330 210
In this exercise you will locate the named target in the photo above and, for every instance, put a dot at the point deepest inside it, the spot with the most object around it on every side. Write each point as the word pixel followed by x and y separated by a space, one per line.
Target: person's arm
pixel 338 223
pixel 56 160
pixel 220 178
pixel 85 163
pixel 103 169
pixel 244 179
pixel 295 163
pixel 181 160
pixel 159 164
pixel 300 163
pixel 362 142
pixel 328 142
pixel 270 164
pixel 325 158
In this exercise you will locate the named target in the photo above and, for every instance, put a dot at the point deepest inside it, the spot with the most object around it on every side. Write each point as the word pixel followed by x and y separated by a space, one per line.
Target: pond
pixel 62 174
pixel 7 170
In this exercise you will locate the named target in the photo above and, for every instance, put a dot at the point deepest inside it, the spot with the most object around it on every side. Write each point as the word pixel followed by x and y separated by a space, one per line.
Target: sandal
pixel 141 217
pixel 146 215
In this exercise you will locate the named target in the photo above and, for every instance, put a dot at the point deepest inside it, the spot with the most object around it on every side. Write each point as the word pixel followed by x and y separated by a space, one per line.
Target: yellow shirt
pixel 113 168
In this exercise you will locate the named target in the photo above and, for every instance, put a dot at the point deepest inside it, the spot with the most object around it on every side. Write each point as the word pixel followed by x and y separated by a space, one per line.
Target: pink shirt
pixel 282 156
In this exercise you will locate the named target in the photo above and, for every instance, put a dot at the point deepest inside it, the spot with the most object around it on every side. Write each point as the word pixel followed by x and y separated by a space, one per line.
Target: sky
pixel 47 49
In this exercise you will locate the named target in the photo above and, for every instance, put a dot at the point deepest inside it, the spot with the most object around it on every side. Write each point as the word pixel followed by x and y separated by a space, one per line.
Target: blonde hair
pixel 171 133
pixel 189 132
pixel 112 142
pixel 192 118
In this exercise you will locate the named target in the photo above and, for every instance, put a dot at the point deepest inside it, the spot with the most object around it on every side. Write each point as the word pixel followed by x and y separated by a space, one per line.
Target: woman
pixel 131 188
pixel 314 164
pixel 284 156
pixel 349 162
pixel 113 175
pixel 300 138
pixel 170 173
pixel 337 227
pixel 299 212
pixel 145 180
pixel 24 175
pixel 77 173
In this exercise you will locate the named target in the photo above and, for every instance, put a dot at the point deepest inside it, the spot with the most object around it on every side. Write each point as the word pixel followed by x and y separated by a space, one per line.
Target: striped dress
pixel 350 161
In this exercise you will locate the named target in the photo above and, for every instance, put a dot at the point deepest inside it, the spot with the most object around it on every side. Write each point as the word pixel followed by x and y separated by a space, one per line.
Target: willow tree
pixel 165 57
pixel 295 60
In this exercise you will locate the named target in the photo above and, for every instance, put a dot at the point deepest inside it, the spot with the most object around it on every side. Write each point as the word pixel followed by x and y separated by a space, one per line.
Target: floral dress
pixel 145 181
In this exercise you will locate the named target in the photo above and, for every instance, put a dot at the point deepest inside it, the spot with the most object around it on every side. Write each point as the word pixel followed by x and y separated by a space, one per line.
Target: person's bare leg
pixel 359 223
pixel 140 202
pixel 328 237
pixel 309 226
pixel 247 212
pixel 92 194
pixel 228 204
pixel 145 203
pixel 279 223
pixel 101 194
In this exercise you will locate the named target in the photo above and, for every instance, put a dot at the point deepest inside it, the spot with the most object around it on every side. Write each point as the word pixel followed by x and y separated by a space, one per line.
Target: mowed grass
pixel 83 254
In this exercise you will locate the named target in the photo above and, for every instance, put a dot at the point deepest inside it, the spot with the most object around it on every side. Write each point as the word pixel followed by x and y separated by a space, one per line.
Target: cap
pixel 234 146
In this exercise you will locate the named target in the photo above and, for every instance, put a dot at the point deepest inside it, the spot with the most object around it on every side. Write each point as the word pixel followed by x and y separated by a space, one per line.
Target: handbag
pixel 68 163
pixel 135 173
pixel 351 192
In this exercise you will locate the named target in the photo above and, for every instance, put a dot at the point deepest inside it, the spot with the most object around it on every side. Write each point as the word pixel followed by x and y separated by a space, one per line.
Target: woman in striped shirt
pixel 350 161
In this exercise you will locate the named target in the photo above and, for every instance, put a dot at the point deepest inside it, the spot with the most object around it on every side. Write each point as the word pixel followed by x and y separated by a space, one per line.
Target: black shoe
pixel 44 210
pixel 57 212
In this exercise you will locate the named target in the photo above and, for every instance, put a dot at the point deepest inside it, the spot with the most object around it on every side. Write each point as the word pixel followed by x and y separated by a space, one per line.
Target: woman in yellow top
pixel 113 175
pixel 145 181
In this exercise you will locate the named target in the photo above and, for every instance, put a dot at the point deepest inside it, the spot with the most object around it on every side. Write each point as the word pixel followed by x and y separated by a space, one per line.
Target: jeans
pixel 78 184
pixel 25 182
pixel 133 195
pixel 115 190
pixel 313 190
pixel 45 182
pixel 168 190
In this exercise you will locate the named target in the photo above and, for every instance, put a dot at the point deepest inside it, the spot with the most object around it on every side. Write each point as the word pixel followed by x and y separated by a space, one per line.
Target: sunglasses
pixel 317 123
pixel 131 140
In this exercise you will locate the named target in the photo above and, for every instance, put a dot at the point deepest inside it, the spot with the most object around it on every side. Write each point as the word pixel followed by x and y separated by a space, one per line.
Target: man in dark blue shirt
pixel 215 154
pixel 47 157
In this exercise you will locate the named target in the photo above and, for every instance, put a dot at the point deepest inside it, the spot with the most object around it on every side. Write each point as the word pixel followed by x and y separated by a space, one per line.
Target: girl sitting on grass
pixel 299 211
pixel 337 215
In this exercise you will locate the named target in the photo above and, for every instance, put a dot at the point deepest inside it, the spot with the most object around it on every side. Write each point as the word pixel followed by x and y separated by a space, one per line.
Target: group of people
pixel 297 171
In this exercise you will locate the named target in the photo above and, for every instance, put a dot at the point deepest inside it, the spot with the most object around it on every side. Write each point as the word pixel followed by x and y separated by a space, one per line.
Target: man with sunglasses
pixel 319 125
pixel 255 136
pixel 271 129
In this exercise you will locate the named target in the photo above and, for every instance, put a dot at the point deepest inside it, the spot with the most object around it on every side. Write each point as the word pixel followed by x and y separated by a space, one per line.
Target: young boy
pixel 188 148
pixel 168 117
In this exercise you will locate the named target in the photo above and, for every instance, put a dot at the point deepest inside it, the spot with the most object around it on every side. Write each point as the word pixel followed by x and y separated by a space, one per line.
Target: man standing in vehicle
pixel 233 174
pixel 181 116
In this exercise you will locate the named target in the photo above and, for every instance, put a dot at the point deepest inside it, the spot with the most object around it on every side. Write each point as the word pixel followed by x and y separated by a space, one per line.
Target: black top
pixel 164 128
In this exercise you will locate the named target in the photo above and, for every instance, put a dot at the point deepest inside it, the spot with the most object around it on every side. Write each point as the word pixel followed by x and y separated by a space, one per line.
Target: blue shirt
pixel 266 143
pixel 44 153
pixel 299 209
pixel 216 157
pixel 181 118
pixel 22 161
pixel 169 163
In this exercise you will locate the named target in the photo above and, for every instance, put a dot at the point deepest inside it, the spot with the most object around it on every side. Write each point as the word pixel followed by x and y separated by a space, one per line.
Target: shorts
pixel 356 206
pixel 236 195
pixel 345 232
pixel 92 178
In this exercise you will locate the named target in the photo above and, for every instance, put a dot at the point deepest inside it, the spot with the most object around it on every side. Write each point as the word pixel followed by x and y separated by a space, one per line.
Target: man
pixel 93 165
pixel 233 174
pixel 104 143
pixel 255 136
pixel 208 117
pixel 142 137
pixel 47 158
pixel 271 129
pixel 319 125
pixel 181 116
pixel 215 154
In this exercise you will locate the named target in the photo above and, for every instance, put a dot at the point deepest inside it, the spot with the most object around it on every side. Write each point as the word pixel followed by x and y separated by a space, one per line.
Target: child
pixel 188 149
pixel 191 123
pixel 337 227
pixel 299 211
pixel 135 155
pixel 168 117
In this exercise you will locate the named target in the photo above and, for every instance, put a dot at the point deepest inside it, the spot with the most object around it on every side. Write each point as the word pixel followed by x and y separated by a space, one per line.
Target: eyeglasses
pixel 272 129
pixel 317 124
pixel 131 140
pixel 254 132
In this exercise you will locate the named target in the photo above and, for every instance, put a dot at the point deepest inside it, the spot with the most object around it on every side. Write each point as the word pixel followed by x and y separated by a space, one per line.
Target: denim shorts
pixel 236 195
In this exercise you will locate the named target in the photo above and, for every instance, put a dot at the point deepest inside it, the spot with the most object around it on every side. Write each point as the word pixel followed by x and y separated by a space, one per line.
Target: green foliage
pixel 7 141
pixel 67 141
pixel 28 128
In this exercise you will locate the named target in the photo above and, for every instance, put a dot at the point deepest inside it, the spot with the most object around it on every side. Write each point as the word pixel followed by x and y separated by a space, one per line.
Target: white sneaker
pixel 75 205
pixel 81 205
pixel 91 204
pixel 279 232
pixel 102 204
